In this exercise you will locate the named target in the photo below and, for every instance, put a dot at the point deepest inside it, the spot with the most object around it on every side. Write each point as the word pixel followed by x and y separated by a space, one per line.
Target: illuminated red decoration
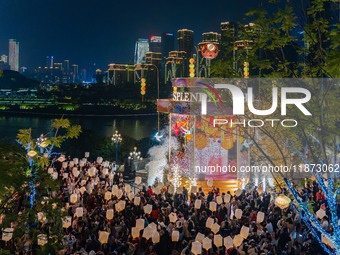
pixel 209 50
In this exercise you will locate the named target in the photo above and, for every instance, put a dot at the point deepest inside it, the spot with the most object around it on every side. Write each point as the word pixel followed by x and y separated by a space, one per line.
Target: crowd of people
pixel 113 217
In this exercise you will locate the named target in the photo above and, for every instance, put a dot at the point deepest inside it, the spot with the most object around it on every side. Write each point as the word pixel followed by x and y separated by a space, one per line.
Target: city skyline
pixel 86 32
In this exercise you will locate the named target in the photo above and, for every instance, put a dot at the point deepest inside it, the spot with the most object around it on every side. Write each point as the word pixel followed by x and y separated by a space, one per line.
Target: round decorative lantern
pixel 282 201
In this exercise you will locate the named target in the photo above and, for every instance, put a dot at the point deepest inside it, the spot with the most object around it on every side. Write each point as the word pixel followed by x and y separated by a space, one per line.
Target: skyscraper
pixel 49 62
pixel 185 40
pixel 168 44
pixel 14 54
pixel 228 34
pixel 156 44
pixel 211 37
pixel 75 73
pixel 141 48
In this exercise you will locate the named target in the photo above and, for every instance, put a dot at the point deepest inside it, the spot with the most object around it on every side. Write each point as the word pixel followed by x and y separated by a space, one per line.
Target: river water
pixel 137 127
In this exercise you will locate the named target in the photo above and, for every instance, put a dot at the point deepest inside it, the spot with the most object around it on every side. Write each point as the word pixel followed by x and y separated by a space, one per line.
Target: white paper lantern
pixel 207 243
pixel 175 236
pixel 238 192
pixel 41 216
pixel 260 217
pixel 210 182
pixel 157 190
pixel 219 200
pixel 109 214
pixel 103 236
pixel 73 198
pixel 127 188
pixel 193 189
pixel 76 161
pixel 244 232
pixel 218 240
pixel 321 213
pixel 215 228
pixel 81 163
pixel 55 175
pixel 87 154
pixel 228 242
pixel 71 163
pixel 131 196
pixel 173 217
pixel 227 198
pixel 108 195
pixel 79 212
pixel 105 171
pixel 119 193
pixel 135 232
pixel 99 160
pixel 155 237
pixel 92 171
pixel 238 239
pixel 82 190
pixel 198 204
pixel 179 190
pixel 138 180
pixel 147 208
pixel 67 221
pixel 42 239
pixel 212 206
pixel 121 205
pixel 140 224
pixel 65 175
pixel 209 222
pixel 238 213
pixel 75 172
pixel 148 232
pixel 196 248
pixel 199 237
pixel 64 165
pixel 50 170
pixel 7 234
pixel 136 201
pixel 114 190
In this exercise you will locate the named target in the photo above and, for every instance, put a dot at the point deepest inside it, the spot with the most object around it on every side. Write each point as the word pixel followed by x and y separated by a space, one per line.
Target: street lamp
pixel 136 157
pixel 116 139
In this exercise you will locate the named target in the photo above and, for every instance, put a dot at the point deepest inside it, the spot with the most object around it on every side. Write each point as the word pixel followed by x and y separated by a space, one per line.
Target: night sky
pixel 104 31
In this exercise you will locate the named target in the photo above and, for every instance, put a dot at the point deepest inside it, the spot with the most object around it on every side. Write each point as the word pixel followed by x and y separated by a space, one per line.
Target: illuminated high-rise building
pixel 168 44
pixel 14 54
pixel 155 44
pixel 49 62
pixel 211 37
pixel 228 34
pixel 141 48
pixel 66 66
pixel 4 58
pixel 185 40
pixel 75 75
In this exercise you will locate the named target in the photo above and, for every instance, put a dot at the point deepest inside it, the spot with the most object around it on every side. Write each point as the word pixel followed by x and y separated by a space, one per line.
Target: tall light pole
pixel 116 139
pixel 136 157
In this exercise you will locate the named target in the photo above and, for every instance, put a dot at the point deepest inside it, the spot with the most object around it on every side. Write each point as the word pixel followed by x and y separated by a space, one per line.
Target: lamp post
pixel 136 157
pixel 116 139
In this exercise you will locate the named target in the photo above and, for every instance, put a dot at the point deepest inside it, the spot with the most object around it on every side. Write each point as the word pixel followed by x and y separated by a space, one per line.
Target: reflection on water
pixel 135 127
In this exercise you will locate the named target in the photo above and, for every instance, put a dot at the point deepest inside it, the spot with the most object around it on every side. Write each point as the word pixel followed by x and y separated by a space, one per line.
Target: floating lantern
pixel 136 200
pixel 41 216
pixel 71 163
pixel 282 201
pixel 238 239
pixel 207 243
pixel 64 165
pixel 238 213
pixel 119 193
pixel 244 232
pixel 99 160
pixel 260 217
pixel 67 221
pixel 82 190
pixel 218 240
pixel 320 213
pixel 107 195
pixel 127 188
pixel 50 170
pixel 79 212
pixel 147 208
pixel 198 204
pixel 227 198
pixel 73 198
pixel 135 232
pixel 193 189
pixel 7 234
pixel 209 223
pixel 215 228
pixel 210 182
pixel 92 171
pixel 155 237
pixel 212 206
pixel 103 236
pixel 173 217
pixel 138 180
pixel 42 239
pixel 148 232
pixel 175 236
pixel 199 237
pixel 131 196
pixel 228 242
pixel 54 175
pixel 171 189
pixel 140 224
pixel 87 154
pixel 196 248
pixel 219 200
pixel 238 192
pixel 109 214
pixel 76 161
pixel 179 190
